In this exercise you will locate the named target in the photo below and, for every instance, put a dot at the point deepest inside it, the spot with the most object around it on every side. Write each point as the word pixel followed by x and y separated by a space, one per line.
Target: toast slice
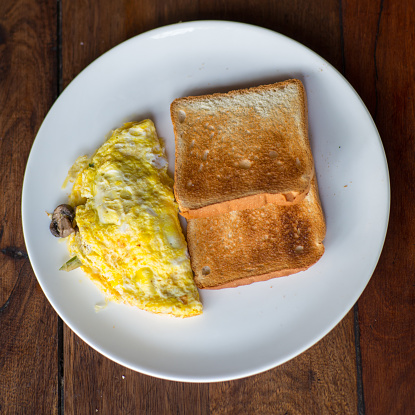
pixel 242 149
pixel 242 247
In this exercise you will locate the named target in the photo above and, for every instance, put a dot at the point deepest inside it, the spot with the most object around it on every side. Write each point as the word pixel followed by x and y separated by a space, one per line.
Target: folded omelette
pixel 128 237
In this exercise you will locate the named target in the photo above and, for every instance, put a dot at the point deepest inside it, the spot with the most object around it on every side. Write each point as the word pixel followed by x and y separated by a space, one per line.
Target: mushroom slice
pixel 62 218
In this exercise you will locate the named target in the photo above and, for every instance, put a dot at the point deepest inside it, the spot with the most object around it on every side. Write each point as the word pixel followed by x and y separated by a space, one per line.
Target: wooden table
pixel 366 365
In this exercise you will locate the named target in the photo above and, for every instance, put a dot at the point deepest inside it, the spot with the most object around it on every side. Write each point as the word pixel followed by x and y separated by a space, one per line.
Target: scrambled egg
pixel 129 238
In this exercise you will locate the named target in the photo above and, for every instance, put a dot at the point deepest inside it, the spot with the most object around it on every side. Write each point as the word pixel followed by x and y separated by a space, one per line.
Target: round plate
pixel 243 330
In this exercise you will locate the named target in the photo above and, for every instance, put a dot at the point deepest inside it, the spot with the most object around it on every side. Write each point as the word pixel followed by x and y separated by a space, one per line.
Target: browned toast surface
pixel 235 146
pixel 242 247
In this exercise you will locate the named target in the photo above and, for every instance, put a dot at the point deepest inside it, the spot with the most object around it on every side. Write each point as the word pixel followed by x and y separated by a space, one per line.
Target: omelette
pixel 128 237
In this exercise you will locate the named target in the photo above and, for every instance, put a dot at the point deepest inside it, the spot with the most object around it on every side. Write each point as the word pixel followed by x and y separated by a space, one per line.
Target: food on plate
pixel 244 179
pixel 61 224
pixel 126 234
pixel 242 149
pixel 242 247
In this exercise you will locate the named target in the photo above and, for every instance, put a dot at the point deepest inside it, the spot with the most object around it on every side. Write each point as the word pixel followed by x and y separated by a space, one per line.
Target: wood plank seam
pixel 374 58
pixel 59 46
pixel 342 37
pixel 359 378
pixel 356 327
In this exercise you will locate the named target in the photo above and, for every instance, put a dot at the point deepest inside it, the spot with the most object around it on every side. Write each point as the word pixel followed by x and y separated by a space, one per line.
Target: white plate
pixel 244 330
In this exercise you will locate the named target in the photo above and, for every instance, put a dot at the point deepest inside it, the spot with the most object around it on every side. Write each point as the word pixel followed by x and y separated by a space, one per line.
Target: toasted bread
pixel 242 247
pixel 242 149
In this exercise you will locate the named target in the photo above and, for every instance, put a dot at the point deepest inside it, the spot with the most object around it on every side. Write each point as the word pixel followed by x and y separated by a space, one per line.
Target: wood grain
pixel 322 380
pixel 378 59
pixel 379 38
pixel 94 384
pixel 28 340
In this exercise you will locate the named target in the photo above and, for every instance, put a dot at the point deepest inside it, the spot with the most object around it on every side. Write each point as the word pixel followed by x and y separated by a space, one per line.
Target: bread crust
pixel 256 278
pixel 243 247
pixel 241 149
pixel 248 202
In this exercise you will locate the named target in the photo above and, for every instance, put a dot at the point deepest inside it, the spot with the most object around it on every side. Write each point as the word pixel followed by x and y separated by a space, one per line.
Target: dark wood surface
pixel 379 62
pixel 366 365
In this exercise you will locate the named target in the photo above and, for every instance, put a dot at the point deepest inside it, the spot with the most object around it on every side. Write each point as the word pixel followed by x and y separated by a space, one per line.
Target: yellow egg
pixel 130 241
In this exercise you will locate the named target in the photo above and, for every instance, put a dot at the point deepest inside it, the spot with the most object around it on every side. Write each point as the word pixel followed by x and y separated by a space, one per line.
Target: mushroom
pixel 62 218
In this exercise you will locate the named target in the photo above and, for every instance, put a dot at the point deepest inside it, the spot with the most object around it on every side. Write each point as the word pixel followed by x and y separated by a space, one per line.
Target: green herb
pixel 91 164
pixel 70 265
